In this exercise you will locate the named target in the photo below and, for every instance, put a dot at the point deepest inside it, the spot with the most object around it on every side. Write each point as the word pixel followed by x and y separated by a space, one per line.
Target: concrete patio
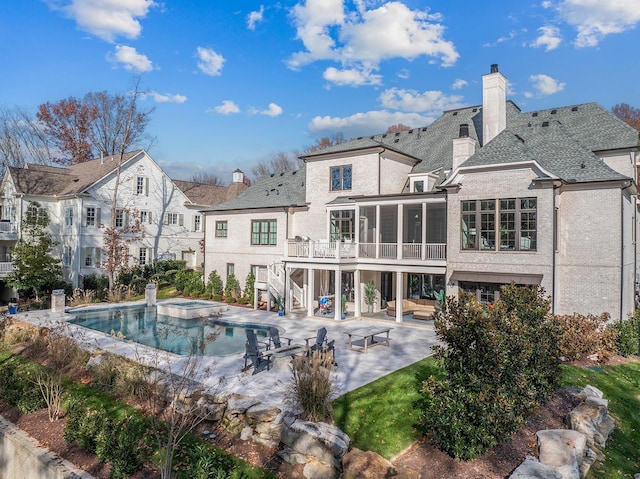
pixel 409 342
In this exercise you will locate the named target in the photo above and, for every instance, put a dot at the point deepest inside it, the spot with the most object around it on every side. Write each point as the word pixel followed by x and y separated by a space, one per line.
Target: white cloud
pixel 273 111
pixel 106 19
pixel 362 39
pixel 227 108
pixel 210 62
pixel 505 38
pixel 458 84
pixel 351 76
pixel 130 59
pixel 413 101
pixel 164 97
pixel 369 123
pixel 595 19
pixel 544 85
pixel 549 38
pixel 255 17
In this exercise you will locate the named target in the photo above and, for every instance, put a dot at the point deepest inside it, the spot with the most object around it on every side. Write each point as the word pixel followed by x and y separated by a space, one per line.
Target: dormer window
pixel 418 186
pixel 341 178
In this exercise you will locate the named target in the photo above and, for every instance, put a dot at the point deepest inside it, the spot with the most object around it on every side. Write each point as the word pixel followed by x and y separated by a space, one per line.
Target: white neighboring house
pixel 78 199
pixel 484 196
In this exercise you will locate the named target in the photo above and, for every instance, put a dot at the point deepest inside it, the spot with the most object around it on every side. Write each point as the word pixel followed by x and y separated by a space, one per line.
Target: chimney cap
pixel 494 68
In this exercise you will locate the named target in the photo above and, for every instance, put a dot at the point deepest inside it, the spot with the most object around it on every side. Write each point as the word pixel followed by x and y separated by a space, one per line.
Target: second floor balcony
pixel 334 251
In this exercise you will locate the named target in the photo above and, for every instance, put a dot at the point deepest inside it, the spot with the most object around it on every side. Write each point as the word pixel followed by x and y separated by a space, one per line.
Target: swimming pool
pixel 177 335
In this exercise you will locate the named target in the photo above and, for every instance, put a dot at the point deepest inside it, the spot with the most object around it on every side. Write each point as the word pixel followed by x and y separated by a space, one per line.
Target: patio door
pixel 386 286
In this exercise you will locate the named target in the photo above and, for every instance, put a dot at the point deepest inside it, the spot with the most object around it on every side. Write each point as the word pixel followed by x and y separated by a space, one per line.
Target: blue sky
pixel 234 82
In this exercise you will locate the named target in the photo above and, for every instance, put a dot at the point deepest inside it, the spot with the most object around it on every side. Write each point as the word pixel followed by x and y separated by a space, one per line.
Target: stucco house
pixel 79 199
pixel 484 196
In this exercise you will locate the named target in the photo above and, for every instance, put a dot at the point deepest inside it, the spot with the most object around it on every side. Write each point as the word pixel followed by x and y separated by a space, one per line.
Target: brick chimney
pixel 463 147
pixel 494 104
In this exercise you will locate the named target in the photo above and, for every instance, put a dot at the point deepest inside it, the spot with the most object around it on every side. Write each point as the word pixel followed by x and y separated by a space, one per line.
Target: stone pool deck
pixel 409 342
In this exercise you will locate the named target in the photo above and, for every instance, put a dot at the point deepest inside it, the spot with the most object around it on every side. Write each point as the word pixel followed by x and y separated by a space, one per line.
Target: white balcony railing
pixel 6 268
pixel 8 227
pixel 340 250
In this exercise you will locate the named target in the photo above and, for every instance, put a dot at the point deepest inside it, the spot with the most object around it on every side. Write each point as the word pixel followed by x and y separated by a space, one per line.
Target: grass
pixel 621 386
pixel 380 416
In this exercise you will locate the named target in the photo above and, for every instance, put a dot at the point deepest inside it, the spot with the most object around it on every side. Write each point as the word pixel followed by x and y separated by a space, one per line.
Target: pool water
pixel 143 325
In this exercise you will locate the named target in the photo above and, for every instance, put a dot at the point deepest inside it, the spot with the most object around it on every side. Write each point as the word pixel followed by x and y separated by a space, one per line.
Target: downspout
pixel 622 252
pixel 555 249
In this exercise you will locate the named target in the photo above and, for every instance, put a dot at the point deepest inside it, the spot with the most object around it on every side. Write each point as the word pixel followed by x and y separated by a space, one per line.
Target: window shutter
pixel 125 219
pixel 98 220
pixel 146 186
pixel 166 219
pixel 193 223
pixel 96 261
pixel 181 219
pixel 149 217
pixel 87 254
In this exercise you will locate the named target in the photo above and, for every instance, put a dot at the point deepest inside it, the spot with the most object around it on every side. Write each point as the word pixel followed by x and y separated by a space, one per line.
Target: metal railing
pixel 324 249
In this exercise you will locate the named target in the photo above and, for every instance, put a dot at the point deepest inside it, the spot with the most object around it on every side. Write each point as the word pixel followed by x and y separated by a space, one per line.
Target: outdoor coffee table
pixel 292 350
pixel 368 335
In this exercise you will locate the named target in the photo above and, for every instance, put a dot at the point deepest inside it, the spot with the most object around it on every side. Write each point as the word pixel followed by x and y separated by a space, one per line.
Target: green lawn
pixel 380 416
pixel 621 386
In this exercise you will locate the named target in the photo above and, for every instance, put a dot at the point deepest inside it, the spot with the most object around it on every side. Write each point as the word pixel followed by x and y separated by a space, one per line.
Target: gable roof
pixel 278 190
pixel 203 194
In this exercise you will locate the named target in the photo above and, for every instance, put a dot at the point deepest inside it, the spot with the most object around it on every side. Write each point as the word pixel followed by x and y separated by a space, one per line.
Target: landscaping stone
pixel 531 468
pixel 293 457
pixel 262 413
pixel 591 391
pixel 562 449
pixel 246 433
pixel 369 465
pixel 325 442
pixel 592 419
pixel 315 469
pixel 239 406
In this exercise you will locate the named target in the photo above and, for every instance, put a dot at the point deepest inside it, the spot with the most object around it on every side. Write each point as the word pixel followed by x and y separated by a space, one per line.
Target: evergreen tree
pixel 35 270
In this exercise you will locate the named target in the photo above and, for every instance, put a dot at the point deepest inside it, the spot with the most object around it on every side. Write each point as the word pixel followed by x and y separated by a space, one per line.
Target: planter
pixel 13 308
pixel 280 313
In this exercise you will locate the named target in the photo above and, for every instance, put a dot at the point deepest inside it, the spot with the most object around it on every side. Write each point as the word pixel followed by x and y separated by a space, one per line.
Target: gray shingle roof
pixel 203 194
pixel 279 190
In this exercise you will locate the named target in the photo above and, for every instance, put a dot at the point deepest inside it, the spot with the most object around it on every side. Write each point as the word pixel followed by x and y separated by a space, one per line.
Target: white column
pixel 377 231
pixel 399 231
pixel 288 292
pixel 399 295
pixel 424 231
pixel 357 295
pixel 338 295
pixel 310 291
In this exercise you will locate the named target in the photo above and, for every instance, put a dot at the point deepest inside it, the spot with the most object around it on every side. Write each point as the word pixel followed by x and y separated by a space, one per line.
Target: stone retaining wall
pixel 21 457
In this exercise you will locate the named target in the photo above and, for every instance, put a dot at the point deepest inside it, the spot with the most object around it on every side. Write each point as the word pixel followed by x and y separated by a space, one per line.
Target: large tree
pixel 280 162
pixel 628 114
pixel 67 125
pixel 207 179
pixel 22 139
pixel 35 270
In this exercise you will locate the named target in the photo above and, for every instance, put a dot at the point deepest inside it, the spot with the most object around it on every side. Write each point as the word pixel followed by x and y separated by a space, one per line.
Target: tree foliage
pixel 35 269
pixel 397 127
pixel 22 139
pixel 207 179
pixel 67 125
pixel 500 360
pixel 628 114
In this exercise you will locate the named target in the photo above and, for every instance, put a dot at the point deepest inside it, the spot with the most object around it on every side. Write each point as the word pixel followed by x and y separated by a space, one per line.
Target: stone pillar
pixel 57 301
pixel 150 295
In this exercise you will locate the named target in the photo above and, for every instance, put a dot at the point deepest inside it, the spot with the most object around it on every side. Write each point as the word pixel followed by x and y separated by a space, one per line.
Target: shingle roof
pixel 279 190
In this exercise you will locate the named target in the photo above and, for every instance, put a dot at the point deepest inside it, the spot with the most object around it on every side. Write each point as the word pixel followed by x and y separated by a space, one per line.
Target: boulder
pixel 323 441
pixel 369 465
pixel 562 449
pixel 317 470
pixel 531 468
pixel 262 413
pixel 592 419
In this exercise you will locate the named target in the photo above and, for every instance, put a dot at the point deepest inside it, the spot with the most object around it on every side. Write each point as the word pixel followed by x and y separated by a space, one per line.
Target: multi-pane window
pixel 66 256
pixel 120 219
pixel 342 225
pixel 68 216
pixel 145 217
pixel 174 219
pixel 92 216
pixel 92 256
pixel 142 256
pixel 264 232
pixel 142 185
pixel 221 229
pixel 341 178
pixel 197 223
pixel 510 227
pixel 231 269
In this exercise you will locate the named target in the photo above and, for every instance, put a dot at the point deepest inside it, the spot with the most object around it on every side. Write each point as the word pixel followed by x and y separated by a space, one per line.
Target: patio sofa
pixel 420 308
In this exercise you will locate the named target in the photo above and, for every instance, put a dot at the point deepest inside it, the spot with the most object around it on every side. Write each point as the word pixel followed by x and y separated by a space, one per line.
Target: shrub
pixel 249 288
pixel 189 281
pixel 105 373
pixel 232 289
pixel 83 425
pixel 500 361
pixel 215 284
pixel 97 283
pixel 120 443
pixel 583 336
pixel 312 389
pixel 627 335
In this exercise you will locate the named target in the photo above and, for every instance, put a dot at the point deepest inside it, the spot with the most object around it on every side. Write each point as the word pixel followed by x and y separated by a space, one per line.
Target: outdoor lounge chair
pixel 321 344
pixel 274 339
pixel 254 354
